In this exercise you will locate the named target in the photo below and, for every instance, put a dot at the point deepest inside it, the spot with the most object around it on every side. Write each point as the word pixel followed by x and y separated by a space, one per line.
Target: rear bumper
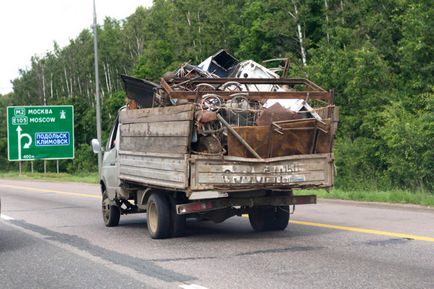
pixel 216 204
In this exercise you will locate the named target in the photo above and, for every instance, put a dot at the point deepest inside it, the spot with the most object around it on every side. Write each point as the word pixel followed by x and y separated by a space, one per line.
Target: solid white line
pixel 6 218
pixel 192 286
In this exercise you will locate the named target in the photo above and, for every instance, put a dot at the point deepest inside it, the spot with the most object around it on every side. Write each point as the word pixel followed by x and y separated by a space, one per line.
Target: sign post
pixel 40 132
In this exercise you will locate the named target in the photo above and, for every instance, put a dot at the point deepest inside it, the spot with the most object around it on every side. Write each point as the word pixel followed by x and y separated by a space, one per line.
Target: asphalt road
pixel 52 236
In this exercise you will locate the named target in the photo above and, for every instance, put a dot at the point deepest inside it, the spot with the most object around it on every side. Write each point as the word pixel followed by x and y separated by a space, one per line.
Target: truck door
pixel 110 166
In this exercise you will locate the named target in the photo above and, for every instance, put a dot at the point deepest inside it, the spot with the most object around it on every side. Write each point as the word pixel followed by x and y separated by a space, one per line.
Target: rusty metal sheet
pixel 256 136
pixel 285 139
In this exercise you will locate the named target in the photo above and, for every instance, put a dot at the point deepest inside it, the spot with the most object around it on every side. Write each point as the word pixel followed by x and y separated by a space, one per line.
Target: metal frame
pixel 312 91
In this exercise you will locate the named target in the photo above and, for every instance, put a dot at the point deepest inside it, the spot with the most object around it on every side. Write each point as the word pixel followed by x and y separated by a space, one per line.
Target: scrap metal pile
pixel 243 108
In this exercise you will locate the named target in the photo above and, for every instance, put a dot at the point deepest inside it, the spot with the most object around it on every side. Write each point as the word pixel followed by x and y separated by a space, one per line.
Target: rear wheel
pixel 110 213
pixel 269 218
pixel 260 218
pixel 178 222
pixel 158 216
pixel 281 218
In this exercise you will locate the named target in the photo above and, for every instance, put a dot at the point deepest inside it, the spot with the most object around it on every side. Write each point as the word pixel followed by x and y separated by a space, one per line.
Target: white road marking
pixel 6 218
pixel 192 286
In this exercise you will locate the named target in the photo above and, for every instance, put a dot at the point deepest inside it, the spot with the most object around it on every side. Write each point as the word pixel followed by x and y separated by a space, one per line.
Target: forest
pixel 376 55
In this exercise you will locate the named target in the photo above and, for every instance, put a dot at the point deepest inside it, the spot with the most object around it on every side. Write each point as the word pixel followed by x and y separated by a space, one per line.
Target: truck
pixel 210 148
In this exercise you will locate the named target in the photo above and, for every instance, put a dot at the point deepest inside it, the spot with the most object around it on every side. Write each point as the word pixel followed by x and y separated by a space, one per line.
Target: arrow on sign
pixel 26 145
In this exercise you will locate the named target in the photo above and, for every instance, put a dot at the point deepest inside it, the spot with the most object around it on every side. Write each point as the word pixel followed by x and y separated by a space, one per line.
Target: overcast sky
pixel 29 27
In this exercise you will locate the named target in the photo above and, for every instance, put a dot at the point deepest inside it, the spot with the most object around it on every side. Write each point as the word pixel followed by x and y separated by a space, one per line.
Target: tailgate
pixel 237 173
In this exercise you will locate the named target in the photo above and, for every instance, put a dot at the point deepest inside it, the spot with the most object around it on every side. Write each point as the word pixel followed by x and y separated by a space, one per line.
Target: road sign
pixel 40 132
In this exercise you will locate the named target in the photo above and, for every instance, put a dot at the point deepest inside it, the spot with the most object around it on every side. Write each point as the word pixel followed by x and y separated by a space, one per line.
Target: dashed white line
pixel 192 286
pixel 6 218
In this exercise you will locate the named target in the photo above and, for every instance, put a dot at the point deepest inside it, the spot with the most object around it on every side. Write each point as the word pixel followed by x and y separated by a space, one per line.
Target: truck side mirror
pixel 96 147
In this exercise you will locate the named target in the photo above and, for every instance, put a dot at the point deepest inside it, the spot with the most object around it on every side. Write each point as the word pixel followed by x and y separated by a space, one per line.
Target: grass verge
pixel 392 196
pixel 91 178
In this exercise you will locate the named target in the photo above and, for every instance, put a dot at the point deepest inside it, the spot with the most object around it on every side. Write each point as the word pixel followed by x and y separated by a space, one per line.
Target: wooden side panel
pixel 158 114
pixel 153 146
pixel 157 130
pixel 231 174
pixel 159 170
pixel 177 145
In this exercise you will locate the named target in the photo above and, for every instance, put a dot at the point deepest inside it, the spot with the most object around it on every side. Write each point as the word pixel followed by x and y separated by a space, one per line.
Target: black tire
pixel 269 218
pixel 178 222
pixel 110 213
pixel 260 218
pixel 281 218
pixel 158 216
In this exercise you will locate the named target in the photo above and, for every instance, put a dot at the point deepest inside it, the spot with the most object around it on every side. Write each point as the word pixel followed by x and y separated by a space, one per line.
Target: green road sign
pixel 40 132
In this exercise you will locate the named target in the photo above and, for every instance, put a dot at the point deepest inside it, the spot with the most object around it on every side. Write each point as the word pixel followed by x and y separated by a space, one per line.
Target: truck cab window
pixel 113 134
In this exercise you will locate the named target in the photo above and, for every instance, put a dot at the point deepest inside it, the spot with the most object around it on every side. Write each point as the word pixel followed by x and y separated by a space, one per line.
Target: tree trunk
pixel 67 82
pixel 109 78
pixel 51 85
pixel 105 76
pixel 326 8
pixel 43 87
pixel 299 33
pixel 342 12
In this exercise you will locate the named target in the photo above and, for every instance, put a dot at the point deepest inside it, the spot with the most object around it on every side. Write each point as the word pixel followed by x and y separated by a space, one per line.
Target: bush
pixel 85 160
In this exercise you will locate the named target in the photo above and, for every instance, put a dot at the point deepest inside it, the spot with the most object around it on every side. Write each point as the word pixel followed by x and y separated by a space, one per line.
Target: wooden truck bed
pixel 155 152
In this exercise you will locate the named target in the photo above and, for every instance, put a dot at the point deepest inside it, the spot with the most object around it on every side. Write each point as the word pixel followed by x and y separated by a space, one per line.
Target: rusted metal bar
pixel 166 86
pixel 278 81
pixel 256 95
pixel 215 204
pixel 238 137
pixel 313 85
pixel 314 140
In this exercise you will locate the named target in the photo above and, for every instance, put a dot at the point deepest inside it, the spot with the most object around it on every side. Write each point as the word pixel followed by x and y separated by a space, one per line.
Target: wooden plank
pixel 165 85
pixel 264 168
pixel 167 128
pixel 153 174
pixel 155 164
pixel 158 114
pixel 277 179
pixel 154 155
pixel 155 144
pixel 153 183
pixel 187 115
pixel 232 173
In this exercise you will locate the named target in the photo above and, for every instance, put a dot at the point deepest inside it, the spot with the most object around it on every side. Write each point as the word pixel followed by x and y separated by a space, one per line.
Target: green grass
pixel 91 178
pixel 392 196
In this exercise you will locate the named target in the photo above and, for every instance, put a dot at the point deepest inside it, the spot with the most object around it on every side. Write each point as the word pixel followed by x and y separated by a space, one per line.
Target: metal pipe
pixel 238 137
pixel 97 98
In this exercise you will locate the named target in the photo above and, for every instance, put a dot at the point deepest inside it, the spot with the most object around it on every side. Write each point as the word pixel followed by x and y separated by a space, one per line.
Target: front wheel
pixel 110 213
